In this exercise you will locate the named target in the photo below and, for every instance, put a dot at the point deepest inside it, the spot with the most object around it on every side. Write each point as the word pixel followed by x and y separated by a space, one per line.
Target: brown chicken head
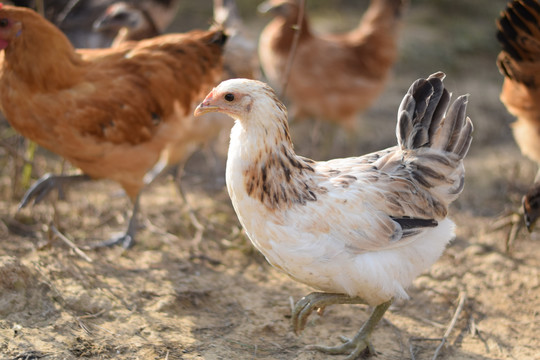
pixel 10 23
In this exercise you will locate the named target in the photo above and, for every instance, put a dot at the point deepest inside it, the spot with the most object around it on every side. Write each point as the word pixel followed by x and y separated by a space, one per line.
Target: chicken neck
pixel 271 171
pixel 55 65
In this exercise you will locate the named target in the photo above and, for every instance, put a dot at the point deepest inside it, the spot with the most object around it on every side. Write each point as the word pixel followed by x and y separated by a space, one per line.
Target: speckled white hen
pixel 363 227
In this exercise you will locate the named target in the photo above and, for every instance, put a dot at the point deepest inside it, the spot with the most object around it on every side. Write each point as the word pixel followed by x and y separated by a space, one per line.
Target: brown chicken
pixel 128 21
pixel 116 114
pixel 519 62
pixel 333 77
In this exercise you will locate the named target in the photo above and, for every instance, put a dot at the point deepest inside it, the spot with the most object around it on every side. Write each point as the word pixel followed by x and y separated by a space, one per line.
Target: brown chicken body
pixel 113 113
pixel 332 77
pixel 519 62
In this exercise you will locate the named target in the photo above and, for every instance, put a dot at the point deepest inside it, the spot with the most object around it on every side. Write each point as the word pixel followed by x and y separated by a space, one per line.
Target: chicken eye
pixel 229 97
pixel 4 22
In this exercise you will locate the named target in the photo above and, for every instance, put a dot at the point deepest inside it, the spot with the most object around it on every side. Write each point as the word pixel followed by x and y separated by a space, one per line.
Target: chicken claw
pixel 360 343
pixel 46 184
pixel 318 301
pixel 127 240
pixel 350 347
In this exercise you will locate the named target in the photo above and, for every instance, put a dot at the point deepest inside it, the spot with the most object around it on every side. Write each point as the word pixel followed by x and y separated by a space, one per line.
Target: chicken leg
pixel 352 347
pixel 50 182
pixel 127 239
pixel 525 216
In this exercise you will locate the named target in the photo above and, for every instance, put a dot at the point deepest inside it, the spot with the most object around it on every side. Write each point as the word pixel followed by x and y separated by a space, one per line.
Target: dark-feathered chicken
pixel 519 62
pixel 76 17
pixel 128 21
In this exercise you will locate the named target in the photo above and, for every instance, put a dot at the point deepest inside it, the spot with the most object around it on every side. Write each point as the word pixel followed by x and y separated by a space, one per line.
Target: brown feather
pixel 111 112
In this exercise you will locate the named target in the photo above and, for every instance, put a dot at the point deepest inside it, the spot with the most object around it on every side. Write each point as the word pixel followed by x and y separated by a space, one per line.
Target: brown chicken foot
pixel 127 239
pixel 48 182
pixel 359 344
pixel 318 301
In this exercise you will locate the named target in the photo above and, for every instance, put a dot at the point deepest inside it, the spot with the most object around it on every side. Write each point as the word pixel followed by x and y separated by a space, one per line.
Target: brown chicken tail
pixel 519 35
pixel 219 37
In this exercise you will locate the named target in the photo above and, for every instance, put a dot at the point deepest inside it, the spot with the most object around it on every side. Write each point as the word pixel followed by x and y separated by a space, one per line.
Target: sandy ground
pixel 171 297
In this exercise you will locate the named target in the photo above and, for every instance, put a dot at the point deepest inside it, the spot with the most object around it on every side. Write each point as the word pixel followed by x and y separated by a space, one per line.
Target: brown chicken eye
pixel 4 22
pixel 229 97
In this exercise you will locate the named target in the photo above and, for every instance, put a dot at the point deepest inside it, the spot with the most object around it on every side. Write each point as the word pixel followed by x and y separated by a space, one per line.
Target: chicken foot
pixel 352 347
pixel 48 183
pixel 126 239
pixel 514 222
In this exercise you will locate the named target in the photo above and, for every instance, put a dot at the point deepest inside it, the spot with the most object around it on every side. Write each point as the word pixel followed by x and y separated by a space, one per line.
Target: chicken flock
pixel 141 101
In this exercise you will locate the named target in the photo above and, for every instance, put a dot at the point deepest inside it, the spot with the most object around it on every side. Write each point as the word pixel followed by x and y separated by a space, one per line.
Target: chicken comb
pixel 1 5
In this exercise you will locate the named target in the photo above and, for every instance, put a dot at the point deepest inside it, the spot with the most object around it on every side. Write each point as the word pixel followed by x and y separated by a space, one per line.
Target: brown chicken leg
pixel 50 182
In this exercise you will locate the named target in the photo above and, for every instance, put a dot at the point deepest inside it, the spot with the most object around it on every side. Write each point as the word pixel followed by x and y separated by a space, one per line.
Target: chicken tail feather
pixel 425 118
pixel 518 32
pixel 219 37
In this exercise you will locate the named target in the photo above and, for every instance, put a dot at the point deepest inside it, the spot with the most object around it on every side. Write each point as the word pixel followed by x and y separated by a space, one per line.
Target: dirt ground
pixel 173 297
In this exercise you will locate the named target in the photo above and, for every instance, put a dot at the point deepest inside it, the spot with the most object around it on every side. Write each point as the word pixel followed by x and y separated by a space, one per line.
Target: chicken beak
pixel 206 106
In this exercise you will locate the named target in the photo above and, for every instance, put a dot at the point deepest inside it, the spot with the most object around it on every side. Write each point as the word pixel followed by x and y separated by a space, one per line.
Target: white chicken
pixel 359 229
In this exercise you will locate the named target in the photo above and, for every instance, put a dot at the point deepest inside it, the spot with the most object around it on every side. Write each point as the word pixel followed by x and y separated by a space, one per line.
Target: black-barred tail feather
pixel 518 32
pixel 426 120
